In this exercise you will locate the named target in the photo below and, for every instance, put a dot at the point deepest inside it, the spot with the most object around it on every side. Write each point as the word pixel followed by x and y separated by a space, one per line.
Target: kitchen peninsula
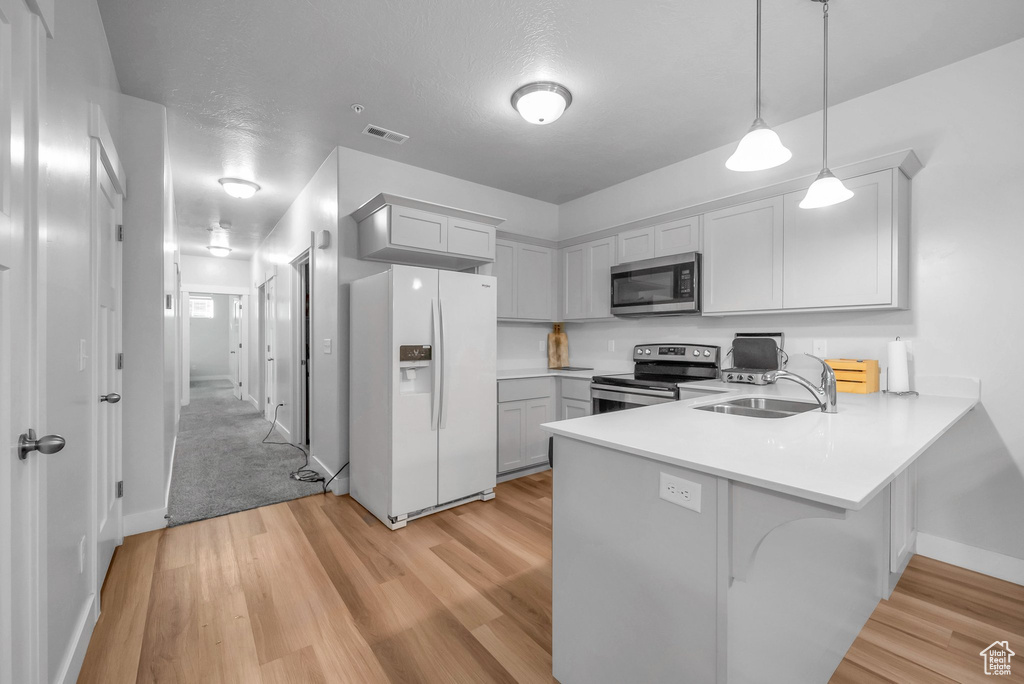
pixel 786 534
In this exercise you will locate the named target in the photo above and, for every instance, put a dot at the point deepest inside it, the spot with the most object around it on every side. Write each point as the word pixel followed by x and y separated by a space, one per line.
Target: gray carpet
pixel 220 467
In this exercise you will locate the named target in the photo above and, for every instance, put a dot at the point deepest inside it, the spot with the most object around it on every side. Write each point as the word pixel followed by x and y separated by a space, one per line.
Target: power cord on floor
pixel 334 476
pixel 305 473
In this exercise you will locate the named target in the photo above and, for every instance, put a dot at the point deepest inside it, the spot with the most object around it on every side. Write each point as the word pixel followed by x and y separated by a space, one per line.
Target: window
pixel 200 307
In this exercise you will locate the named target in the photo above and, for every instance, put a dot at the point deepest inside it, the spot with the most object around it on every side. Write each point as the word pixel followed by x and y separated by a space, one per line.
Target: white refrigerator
pixel 423 386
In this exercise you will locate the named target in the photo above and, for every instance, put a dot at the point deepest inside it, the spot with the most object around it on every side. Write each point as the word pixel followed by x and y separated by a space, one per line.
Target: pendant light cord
pixel 758 117
pixel 824 108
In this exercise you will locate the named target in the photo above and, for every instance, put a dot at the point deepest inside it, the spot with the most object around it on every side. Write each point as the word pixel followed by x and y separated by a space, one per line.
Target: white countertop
pixel 841 459
pixel 520 373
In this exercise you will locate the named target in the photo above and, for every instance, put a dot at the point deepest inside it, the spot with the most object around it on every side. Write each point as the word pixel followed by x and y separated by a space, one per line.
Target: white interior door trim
pixel 243 334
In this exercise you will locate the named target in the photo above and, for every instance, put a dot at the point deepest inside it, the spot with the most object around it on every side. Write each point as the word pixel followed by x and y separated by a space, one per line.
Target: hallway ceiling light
pixel 826 189
pixel 237 187
pixel 761 147
pixel 219 250
pixel 541 102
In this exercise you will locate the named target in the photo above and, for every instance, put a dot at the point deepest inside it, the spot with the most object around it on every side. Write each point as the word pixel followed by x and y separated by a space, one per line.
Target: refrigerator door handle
pixel 435 393
pixel 444 370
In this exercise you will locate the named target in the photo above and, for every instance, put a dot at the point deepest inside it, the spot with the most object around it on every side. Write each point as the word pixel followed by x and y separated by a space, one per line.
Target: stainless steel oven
pixel 666 286
pixel 658 372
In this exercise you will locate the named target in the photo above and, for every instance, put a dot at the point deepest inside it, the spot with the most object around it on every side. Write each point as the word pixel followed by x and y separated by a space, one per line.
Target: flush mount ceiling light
pixel 219 250
pixel 760 148
pixel 237 187
pixel 826 189
pixel 541 102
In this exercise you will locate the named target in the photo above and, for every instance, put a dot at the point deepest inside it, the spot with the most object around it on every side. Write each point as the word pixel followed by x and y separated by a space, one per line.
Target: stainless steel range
pixel 658 370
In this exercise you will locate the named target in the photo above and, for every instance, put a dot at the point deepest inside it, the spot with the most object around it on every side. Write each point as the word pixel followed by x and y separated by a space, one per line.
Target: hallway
pixel 220 465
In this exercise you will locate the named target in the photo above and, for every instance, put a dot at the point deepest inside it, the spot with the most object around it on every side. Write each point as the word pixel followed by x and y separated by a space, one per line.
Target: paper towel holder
pixel 908 393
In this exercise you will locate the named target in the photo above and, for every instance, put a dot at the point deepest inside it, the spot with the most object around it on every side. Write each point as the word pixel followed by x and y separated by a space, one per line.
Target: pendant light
pixel 760 148
pixel 826 189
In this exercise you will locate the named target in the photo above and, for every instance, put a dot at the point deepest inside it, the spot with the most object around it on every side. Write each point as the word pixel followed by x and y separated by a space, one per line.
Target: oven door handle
pixel 629 398
pixel 619 389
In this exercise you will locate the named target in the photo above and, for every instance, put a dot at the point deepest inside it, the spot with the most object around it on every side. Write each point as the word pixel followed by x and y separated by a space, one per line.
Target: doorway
pixel 302 325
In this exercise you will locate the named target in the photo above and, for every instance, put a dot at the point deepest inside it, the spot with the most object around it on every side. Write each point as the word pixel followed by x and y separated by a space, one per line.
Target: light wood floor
pixel 316 590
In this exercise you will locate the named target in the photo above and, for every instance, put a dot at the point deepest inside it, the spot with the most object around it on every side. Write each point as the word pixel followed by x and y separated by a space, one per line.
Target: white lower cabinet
pixel 523 406
pixel 574 408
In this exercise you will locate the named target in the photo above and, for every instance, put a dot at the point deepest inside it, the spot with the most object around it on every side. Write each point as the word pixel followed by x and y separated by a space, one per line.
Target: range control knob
pixel 647 351
pixel 707 352
pixel 696 352
pixel 729 376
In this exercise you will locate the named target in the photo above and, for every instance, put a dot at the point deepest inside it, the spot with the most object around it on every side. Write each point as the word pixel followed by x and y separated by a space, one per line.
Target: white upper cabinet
pixel 505 271
pixel 526 281
pixel 677 237
pixel 400 230
pixel 534 266
pixel 635 245
pixel 841 256
pixel 586 279
pixel 743 257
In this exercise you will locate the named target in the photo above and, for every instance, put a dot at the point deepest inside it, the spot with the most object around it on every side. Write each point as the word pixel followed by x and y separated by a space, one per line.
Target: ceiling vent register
pixel 385 134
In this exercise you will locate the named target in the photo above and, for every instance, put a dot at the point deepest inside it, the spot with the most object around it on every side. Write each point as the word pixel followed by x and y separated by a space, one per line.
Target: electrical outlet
pixel 611 345
pixel 81 555
pixel 680 492
pixel 820 348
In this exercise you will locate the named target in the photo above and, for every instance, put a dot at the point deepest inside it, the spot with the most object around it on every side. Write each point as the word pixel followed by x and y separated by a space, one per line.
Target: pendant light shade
pixel 826 189
pixel 761 147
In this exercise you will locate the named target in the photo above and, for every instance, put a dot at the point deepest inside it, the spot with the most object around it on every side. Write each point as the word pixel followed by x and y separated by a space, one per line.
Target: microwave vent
pixel 385 134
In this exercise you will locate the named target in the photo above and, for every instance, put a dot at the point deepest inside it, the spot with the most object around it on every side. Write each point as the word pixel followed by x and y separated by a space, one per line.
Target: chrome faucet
pixel 825 395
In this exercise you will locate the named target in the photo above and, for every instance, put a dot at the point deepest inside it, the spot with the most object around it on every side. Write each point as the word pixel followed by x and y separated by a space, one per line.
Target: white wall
pixel 967 234
pixel 215 272
pixel 314 210
pixel 208 340
pixel 151 377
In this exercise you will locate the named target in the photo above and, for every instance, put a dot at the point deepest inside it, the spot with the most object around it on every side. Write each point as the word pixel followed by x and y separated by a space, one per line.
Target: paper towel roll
pixel 898 379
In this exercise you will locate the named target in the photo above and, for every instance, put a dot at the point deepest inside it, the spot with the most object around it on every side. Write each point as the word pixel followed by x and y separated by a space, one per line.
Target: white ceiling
pixel 262 88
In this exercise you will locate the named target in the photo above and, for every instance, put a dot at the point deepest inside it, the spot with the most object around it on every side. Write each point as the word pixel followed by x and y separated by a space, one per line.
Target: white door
pixel 235 345
pixel 23 494
pixel 635 245
pixel 533 282
pixel 574 282
pixel 270 340
pixel 505 272
pixel 600 257
pixel 677 237
pixel 467 438
pixel 107 377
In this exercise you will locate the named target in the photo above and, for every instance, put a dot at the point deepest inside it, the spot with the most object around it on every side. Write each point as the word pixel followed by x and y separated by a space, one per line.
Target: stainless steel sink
pixel 760 407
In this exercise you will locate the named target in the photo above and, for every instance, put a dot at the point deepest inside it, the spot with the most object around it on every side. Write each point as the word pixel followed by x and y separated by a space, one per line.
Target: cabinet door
pixel 575 408
pixel 470 238
pixel 743 257
pixel 841 255
pixel 505 272
pixel 511 430
pixel 600 259
pixel 635 245
pixel 902 502
pixel 574 282
pixel 538 412
pixel 677 237
pixel 420 229
pixel 533 282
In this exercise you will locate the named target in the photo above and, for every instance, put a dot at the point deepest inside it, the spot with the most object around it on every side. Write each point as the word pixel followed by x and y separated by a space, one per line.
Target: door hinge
pixel 120 361
pixel 120 232
pixel 120 489
pixel 239 345
pixel 239 384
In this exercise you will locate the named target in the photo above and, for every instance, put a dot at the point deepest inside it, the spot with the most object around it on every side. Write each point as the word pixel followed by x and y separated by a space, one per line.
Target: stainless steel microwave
pixel 665 286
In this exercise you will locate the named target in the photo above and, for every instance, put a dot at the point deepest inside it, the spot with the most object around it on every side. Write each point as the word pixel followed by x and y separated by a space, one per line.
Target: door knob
pixel 112 397
pixel 27 443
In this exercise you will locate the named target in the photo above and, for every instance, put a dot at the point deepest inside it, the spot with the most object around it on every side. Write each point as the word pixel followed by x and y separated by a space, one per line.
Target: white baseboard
pixel 170 471
pixel 146 521
pixel 340 484
pixel 523 473
pixel 79 644
pixel 255 404
pixel 972 558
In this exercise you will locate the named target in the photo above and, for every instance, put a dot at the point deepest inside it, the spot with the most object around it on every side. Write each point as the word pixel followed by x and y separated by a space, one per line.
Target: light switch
pixel 327 345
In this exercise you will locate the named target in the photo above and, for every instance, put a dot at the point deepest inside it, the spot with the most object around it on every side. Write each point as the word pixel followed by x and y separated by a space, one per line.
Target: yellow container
pixel 859 376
